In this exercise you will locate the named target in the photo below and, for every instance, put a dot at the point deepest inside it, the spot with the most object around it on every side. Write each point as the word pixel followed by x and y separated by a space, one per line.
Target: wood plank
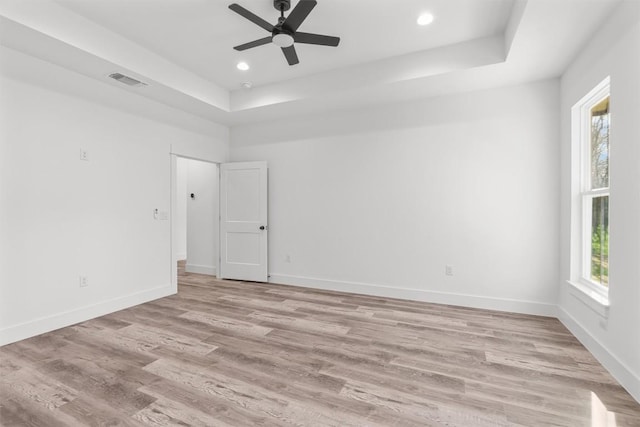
pixel 37 387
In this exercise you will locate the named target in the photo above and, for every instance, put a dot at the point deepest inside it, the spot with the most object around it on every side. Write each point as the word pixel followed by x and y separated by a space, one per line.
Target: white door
pixel 243 221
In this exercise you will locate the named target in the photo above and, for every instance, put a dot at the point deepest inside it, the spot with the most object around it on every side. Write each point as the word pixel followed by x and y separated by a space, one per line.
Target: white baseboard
pixel 475 301
pixel 200 269
pixel 67 318
pixel 619 371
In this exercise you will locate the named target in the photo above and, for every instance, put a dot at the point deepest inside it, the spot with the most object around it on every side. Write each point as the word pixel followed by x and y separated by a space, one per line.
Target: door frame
pixel 174 209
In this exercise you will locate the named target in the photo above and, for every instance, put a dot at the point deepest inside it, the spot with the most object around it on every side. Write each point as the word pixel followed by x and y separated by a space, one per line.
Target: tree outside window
pixel 597 195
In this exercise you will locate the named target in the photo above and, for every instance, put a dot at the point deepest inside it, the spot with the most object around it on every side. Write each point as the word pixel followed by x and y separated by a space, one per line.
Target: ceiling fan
pixel 285 33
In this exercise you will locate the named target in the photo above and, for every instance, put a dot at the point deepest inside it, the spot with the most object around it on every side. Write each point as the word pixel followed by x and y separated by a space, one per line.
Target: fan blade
pixel 298 14
pixel 290 54
pixel 309 38
pixel 254 43
pixel 251 16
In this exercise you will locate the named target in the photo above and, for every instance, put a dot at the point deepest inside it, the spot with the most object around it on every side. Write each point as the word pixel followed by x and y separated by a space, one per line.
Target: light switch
pixel 160 215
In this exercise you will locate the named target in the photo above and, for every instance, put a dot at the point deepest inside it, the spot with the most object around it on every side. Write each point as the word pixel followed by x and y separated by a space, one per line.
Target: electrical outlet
pixel 287 258
pixel 84 155
pixel 448 270
pixel 84 281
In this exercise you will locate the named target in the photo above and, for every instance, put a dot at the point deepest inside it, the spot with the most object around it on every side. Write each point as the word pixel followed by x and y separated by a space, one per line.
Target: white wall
pixel 379 201
pixel 615 340
pixel 202 217
pixel 181 208
pixel 61 217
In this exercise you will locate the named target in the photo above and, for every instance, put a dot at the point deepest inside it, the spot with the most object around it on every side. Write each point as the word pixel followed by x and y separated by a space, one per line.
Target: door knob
pixel 262 227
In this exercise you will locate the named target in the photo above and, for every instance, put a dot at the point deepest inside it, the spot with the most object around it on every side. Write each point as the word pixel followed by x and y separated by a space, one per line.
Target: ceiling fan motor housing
pixel 283 5
pixel 281 36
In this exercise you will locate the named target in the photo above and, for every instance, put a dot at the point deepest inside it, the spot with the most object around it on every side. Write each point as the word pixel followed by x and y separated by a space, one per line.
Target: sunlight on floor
pixel 600 417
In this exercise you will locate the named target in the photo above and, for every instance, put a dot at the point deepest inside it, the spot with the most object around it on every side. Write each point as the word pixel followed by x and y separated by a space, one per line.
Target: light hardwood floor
pixel 225 353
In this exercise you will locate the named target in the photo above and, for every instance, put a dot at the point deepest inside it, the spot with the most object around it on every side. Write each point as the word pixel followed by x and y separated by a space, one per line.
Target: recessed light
pixel 242 66
pixel 425 19
pixel 247 85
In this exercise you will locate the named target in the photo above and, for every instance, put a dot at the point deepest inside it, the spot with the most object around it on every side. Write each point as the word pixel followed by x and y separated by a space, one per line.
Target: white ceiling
pixel 184 49
pixel 200 34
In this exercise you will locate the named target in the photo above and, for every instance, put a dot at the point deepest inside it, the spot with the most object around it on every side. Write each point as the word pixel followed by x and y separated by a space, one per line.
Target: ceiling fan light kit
pixel 285 33
pixel 282 40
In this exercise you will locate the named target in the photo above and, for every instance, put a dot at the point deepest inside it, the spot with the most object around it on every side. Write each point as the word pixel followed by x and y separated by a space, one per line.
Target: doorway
pixel 241 253
pixel 195 222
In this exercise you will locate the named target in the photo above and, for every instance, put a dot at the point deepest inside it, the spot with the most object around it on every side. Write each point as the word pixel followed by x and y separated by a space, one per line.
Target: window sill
pixel 595 301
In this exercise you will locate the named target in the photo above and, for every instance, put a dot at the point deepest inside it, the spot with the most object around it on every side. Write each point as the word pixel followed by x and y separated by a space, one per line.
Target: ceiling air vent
pixel 129 81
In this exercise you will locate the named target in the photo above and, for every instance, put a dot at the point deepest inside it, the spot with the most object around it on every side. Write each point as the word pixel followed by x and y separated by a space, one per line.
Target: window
pixel 593 118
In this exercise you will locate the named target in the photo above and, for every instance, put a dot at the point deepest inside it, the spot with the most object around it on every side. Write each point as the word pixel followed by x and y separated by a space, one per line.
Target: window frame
pixel 582 110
